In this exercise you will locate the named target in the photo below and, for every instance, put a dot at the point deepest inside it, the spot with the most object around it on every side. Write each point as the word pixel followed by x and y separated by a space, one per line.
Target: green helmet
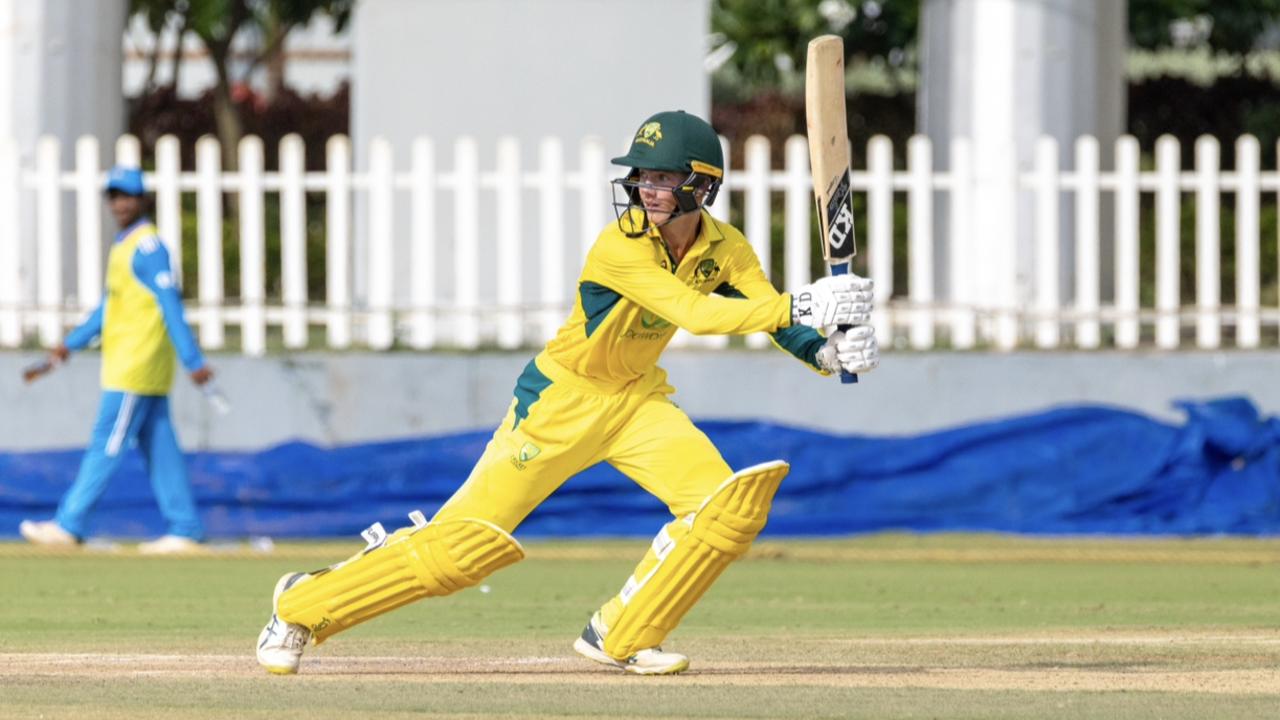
pixel 676 141
pixel 672 141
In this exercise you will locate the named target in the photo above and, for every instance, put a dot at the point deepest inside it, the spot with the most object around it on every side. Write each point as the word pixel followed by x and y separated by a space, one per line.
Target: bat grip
pixel 846 377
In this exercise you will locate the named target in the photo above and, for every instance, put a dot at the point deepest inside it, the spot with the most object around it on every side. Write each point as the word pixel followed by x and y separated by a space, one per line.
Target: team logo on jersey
pixel 650 134
pixel 651 321
pixel 527 452
pixel 707 269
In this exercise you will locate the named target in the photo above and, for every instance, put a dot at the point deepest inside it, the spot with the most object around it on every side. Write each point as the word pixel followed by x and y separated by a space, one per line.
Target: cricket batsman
pixel 595 394
pixel 140 322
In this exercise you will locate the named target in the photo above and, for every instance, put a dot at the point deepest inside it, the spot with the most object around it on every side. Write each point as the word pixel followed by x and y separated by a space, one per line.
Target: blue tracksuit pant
pixel 125 419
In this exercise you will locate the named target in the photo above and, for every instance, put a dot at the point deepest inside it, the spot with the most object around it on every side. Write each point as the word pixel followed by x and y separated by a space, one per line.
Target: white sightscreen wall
pixel 526 68
pixel 59 75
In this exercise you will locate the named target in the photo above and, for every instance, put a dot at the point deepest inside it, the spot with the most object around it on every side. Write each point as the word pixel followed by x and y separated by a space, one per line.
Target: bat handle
pixel 846 377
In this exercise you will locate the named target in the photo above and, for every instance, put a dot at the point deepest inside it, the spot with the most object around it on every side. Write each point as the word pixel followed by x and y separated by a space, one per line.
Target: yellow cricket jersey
pixel 632 297
pixel 140 320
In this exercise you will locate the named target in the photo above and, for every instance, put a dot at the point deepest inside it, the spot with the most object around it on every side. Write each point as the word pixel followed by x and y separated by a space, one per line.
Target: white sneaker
pixel 280 643
pixel 170 545
pixel 47 532
pixel 653 661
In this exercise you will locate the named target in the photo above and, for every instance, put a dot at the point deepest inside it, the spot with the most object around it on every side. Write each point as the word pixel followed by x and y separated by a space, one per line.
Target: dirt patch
pixel 1132 674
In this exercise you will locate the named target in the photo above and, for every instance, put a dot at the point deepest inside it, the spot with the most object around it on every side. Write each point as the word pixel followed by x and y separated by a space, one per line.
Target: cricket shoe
pixel 47 532
pixel 280 643
pixel 652 661
pixel 170 545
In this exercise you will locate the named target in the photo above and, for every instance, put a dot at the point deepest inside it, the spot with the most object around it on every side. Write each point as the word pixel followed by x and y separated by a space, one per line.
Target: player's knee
pixel 455 554
pixel 731 517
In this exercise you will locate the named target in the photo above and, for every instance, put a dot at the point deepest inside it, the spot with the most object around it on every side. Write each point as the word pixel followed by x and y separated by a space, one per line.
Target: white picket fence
pixel 987 304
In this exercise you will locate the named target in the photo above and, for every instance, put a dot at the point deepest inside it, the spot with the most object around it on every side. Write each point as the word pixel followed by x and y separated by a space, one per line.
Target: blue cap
pixel 127 180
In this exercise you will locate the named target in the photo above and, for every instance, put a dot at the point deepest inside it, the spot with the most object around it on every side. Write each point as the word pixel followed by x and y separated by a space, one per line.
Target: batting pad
pixel 415 562
pixel 682 564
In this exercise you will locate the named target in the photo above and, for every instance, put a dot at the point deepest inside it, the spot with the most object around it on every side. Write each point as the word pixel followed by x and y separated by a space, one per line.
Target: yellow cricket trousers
pixel 561 423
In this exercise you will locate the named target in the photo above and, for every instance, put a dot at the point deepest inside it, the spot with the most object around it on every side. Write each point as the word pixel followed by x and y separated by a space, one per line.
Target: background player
pixel 594 394
pixel 140 321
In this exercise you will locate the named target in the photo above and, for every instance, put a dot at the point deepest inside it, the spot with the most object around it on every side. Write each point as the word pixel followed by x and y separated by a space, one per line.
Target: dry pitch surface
pixel 879 627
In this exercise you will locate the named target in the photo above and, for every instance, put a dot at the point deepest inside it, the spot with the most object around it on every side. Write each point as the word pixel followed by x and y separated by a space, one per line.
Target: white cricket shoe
pixel 280 643
pixel 47 532
pixel 170 545
pixel 652 661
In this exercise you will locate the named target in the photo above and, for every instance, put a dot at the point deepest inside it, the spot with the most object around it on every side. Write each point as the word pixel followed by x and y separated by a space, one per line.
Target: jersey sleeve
pixel 624 266
pixel 747 279
pixel 85 332
pixel 151 268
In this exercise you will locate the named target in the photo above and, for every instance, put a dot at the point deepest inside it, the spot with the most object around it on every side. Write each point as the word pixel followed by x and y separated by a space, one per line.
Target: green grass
pixel 887 626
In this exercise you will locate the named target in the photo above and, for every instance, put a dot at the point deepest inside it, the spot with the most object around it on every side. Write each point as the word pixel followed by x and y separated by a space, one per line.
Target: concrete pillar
pixel 1005 72
pixel 60 74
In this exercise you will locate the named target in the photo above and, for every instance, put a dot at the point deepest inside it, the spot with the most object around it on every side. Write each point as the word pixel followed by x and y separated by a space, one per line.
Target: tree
pixel 1227 27
pixel 218 24
pixel 765 40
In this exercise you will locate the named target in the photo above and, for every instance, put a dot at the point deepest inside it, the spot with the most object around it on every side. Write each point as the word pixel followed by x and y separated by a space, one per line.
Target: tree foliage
pixel 218 24
pixel 768 38
pixel 765 40
pixel 1230 27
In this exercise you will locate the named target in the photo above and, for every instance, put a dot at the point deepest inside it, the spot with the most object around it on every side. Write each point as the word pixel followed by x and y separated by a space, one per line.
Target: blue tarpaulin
pixel 1069 470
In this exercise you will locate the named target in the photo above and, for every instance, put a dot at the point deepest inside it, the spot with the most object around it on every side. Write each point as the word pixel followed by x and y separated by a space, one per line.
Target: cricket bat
pixel 824 104
pixel 37 370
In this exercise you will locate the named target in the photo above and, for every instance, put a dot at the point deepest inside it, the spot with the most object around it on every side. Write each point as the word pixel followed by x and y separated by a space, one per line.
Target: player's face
pixel 655 193
pixel 124 208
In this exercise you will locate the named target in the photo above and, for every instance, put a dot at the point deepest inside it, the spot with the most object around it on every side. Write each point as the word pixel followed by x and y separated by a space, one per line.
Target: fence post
pixel 1208 243
pixel 381 329
pixel 1126 272
pixel 169 200
pixel 49 240
pixel 88 224
pixel 757 212
pixel 422 260
pixel 592 186
pixel 880 232
pixel 1048 194
pixel 128 151
pixel 10 248
pixel 253 320
pixel 960 259
pixel 720 210
pixel 1168 240
pixel 1087 301
pixel 293 241
pixel 337 226
pixel 1248 265
pixel 510 265
pixel 466 275
pixel 799 210
pixel 209 271
pixel 551 236
pixel 920 240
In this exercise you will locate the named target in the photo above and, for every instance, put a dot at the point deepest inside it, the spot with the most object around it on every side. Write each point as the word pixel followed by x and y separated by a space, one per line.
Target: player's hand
pixel 201 376
pixel 855 351
pixel 59 354
pixel 835 300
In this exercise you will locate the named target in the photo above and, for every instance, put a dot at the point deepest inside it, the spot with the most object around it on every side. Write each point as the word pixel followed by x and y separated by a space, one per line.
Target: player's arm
pixel 853 350
pixel 84 333
pixel 625 267
pixel 746 279
pixel 151 268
